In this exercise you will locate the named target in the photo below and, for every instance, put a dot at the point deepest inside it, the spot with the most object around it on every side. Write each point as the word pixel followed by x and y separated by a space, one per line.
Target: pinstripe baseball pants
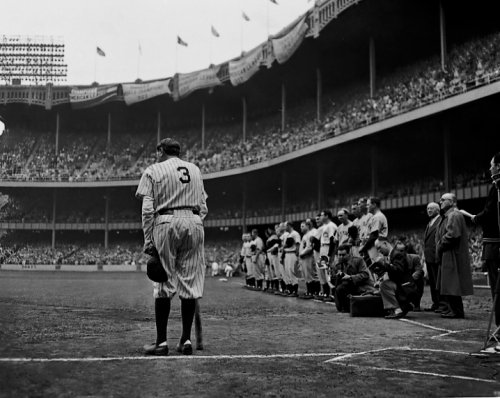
pixel 179 239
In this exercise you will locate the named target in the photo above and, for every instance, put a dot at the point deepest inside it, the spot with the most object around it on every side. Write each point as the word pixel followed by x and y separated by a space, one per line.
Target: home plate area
pixel 421 361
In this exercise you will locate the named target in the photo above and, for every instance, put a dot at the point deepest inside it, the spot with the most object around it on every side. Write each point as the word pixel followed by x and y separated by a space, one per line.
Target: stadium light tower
pixel 32 60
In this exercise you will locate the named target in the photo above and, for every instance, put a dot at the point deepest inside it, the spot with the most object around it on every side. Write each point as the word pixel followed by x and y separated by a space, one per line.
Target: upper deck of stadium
pixel 364 67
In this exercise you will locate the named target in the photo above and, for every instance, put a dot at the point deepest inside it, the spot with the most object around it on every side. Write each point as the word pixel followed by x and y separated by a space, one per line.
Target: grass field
pixel 80 334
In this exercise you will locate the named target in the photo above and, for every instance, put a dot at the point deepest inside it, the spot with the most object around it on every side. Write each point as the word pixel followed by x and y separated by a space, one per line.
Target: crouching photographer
pixel 350 277
pixel 398 286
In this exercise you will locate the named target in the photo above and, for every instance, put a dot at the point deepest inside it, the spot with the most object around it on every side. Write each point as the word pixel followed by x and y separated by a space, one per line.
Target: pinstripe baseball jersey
pixel 174 183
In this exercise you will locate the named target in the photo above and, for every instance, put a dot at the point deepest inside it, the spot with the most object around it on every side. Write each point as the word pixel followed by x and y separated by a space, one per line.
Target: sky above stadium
pixel 139 38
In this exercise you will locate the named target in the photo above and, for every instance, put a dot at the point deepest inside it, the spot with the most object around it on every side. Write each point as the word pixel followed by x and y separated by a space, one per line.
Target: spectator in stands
pixel 350 277
pixel 455 279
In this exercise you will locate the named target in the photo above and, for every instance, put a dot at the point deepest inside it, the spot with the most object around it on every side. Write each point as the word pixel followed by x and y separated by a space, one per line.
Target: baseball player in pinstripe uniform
pixel 307 258
pixel 173 209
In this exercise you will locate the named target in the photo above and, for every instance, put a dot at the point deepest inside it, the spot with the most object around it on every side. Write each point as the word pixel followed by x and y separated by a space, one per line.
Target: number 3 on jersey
pixel 185 178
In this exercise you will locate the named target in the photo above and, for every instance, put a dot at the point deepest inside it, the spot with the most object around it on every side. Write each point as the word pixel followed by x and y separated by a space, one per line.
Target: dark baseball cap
pixel 169 146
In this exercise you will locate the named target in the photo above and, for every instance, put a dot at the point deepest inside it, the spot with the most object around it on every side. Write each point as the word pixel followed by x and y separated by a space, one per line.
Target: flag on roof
pixel 181 42
pixel 100 52
pixel 245 16
pixel 214 32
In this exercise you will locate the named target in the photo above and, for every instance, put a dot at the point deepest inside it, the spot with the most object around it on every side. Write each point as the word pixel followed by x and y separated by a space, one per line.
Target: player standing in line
pixel 270 274
pixel 364 221
pixel 357 223
pixel 306 256
pixel 246 254
pixel 283 235
pixel 273 244
pixel 326 252
pixel 258 258
pixel 291 259
pixel 173 209
pixel 342 234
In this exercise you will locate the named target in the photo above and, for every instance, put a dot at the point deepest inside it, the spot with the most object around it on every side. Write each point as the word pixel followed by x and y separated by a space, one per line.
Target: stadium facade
pixel 388 98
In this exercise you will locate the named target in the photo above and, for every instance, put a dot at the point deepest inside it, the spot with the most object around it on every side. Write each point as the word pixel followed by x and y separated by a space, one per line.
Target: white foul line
pixel 189 357
pixel 417 372
pixel 352 354
pixel 424 325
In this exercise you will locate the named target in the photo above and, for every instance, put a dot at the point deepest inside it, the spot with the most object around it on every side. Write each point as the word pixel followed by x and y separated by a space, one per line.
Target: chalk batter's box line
pixel 339 361
pixel 173 357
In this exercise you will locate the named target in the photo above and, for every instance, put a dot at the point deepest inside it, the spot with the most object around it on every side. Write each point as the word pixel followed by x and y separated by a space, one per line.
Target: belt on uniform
pixel 290 252
pixel 170 211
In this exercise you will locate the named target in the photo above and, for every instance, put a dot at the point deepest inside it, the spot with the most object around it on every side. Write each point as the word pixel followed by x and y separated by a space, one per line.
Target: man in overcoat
pixel 455 277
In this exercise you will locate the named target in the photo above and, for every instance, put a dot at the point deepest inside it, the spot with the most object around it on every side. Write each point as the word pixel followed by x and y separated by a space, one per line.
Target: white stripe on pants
pixel 308 269
pixel 179 239
pixel 291 269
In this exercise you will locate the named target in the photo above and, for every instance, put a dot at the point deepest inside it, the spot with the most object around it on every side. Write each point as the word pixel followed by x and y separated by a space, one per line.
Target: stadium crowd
pixel 87 156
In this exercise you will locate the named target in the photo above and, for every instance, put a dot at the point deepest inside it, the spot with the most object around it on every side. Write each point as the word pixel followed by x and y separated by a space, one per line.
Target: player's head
pixel 167 147
pixel 288 226
pixel 255 233
pixel 311 223
pixel 342 215
pixel 355 209
pixel 373 204
pixel 303 227
pixel 326 215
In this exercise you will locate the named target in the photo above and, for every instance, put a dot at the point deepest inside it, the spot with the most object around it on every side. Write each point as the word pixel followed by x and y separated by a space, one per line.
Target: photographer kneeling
pixel 350 277
pixel 398 288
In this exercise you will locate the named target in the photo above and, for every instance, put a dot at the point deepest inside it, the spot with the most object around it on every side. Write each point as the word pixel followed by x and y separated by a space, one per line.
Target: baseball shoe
pixel 156 349
pixel 199 346
pixel 185 349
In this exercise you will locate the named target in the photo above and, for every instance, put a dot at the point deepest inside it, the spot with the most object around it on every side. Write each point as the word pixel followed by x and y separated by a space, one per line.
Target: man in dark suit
pixel 488 220
pixel 430 255
pixel 351 277
pixel 452 248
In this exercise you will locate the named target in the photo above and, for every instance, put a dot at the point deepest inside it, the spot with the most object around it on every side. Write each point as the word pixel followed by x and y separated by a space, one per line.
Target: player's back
pixel 177 184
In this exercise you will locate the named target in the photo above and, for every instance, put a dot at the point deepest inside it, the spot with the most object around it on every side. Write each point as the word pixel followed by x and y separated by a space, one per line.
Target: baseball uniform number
pixel 186 178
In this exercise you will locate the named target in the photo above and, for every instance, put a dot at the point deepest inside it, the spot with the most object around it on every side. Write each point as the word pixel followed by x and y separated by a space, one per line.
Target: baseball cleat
pixel 155 349
pixel 185 349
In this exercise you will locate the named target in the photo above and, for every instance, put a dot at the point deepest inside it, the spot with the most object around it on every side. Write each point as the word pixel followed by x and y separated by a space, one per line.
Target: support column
pixel 373 71
pixel 106 220
pixel 57 133
pixel 442 35
pixel 319 93
pixel 54 209
pixel 203 126
pixel 447 157
pixel 374 165
pixel 283 194
pixel 109 131
pixel 244 205
pixel 244 116
pixel 158 130
pixel 283 106
pixel 321 185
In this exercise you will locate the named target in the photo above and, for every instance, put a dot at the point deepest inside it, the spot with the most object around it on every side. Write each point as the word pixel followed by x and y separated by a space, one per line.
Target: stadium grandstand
pixel 388 98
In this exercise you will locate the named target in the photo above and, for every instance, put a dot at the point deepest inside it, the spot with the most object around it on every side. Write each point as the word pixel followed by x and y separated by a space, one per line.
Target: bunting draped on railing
pixel 81 98
pixel 288 41
pixel 279 47
pixel 137 92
